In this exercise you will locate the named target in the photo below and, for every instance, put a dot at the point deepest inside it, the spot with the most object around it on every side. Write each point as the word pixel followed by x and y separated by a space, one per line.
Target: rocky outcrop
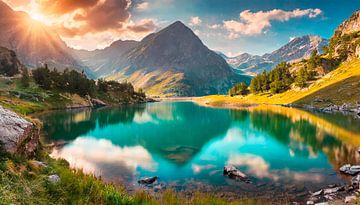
pixel 97 103
pixel 349 26
pixel 9 63
pixel 345 44
pixel 17 135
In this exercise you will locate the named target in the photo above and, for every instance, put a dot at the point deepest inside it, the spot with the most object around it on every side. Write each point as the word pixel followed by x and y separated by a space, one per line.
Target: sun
pixel 38 17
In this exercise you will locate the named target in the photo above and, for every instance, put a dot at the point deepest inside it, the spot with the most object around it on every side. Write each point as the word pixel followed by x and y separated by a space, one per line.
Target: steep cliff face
pixel 17 135
pixel 345 44
pixel 349 26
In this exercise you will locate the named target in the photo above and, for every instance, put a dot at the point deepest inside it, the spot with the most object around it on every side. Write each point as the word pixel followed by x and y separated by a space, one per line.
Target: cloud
pixel 214 26
pixel 142 6
pixel 254 23
pixel 98 21
pixel 110 14
pixel 143 26
pixel 195 21
pixel 60 7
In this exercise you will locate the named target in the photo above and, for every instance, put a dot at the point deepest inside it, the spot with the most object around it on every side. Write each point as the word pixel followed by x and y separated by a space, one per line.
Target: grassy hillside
pixel 339 86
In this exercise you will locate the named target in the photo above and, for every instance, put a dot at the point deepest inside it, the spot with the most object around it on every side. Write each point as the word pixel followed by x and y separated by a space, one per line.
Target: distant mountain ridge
pixel 170 62
pixel 297 49
pixel 34 43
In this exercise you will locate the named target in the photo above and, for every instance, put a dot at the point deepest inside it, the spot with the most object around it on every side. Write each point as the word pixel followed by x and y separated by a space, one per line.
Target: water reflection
pixel 101 157
pixel 283 150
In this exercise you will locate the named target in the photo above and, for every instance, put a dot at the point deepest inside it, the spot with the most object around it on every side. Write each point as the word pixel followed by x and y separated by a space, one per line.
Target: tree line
pixel 280 78
pixel 75 82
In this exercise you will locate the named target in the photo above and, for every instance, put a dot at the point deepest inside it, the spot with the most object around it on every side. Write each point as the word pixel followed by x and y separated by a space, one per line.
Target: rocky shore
pixel 339 194
pixel 346 108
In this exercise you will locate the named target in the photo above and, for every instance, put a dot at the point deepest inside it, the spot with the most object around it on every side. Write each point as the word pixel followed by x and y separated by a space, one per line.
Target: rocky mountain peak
pixel 350 25
pixel 299 48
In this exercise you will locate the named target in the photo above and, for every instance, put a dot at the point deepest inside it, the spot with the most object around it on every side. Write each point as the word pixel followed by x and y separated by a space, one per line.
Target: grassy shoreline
pixel 337 87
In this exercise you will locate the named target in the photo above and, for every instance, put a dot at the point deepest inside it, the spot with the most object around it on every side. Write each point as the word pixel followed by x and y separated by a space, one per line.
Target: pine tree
pixel 25 78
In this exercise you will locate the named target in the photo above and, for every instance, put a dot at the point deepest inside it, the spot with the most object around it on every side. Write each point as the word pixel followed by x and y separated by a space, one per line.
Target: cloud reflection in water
pixel 97 155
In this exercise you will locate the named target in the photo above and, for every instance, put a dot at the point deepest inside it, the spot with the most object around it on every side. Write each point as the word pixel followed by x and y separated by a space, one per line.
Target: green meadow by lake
pixel 284 151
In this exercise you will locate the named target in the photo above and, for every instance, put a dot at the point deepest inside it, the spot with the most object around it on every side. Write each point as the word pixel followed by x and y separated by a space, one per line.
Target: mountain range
pixel 173 61
pixel 296 50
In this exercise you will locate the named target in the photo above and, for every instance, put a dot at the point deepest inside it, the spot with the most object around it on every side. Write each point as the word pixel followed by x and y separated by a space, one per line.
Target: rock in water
pixel 234 173
pixel 348 169
pixel 148 180
pixel 14 131
pixel 97 103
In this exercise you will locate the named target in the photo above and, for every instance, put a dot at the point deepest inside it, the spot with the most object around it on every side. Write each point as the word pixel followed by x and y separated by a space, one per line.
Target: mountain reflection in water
pixel 283 150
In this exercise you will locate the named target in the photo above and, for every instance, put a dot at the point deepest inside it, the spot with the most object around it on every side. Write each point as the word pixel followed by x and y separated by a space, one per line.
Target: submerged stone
pixel 148 180
pixel 234 173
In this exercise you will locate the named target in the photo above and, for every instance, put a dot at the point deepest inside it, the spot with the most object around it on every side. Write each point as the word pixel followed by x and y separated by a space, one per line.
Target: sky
pixel 229 26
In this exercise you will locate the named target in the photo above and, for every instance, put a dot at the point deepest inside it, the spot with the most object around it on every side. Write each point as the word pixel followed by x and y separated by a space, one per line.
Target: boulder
pixel 98 103
pixel 318 193
pixel 17 135
pixel 349 169
pixel 333 190
pixel 234 173
pixel 148 180
pixel 355 180
pixel 54 178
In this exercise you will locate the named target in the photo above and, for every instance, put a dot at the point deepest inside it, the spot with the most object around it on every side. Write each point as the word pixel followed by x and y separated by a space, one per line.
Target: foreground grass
pixel 339 86
pixel 24 182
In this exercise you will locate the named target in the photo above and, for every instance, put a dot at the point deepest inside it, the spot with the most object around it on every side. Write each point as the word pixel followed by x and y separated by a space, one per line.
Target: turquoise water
pixel 283 150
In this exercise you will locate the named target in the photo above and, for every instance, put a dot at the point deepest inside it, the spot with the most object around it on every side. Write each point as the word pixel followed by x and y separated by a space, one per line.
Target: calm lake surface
pixel 285 151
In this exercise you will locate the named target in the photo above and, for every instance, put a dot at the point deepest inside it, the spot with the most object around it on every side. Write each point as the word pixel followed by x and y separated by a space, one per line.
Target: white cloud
pixel 142 6
pixel 253 23
pixel 195 21
pixel 214 26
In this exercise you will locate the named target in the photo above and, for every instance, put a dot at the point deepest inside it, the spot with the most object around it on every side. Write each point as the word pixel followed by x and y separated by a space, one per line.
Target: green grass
pixel 40 99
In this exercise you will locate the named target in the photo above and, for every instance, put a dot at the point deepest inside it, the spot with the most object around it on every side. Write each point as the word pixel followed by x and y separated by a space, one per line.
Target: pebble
pixel 54 178
pixel 349 199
